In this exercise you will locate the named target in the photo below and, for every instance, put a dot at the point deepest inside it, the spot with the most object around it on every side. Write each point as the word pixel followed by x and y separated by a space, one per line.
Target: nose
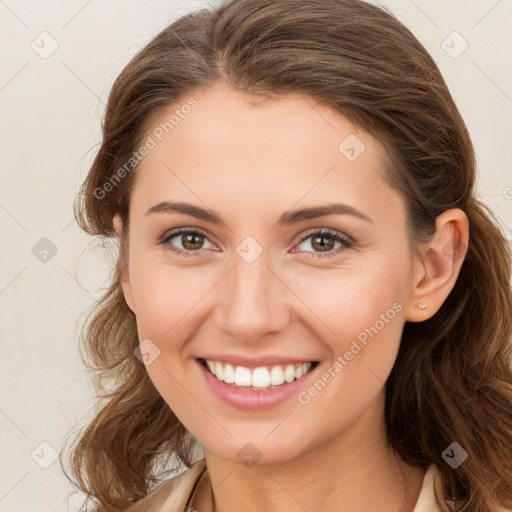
pixel 252 301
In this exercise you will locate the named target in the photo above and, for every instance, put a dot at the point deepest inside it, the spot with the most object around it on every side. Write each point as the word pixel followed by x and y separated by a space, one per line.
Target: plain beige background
pixel 58 61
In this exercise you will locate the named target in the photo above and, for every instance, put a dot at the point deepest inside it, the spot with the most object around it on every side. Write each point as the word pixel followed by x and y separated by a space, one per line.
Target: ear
pixel 125 280
pixel 438 268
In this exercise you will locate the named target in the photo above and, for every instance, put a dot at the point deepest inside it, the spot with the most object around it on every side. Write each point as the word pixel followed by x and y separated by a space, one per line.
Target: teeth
pixel 219 370
pixel 276 376
pixel 242 375
pixel 289 373
pixel 259 378
pixel 229 374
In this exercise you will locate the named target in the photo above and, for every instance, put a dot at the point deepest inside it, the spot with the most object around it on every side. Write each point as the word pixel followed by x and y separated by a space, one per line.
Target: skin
pixel 250 160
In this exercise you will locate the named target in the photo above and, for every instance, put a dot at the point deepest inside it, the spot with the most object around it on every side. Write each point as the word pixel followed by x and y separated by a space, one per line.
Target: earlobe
pixel 118 226
pixel 127 292
pixel 125 279
pixel 438 269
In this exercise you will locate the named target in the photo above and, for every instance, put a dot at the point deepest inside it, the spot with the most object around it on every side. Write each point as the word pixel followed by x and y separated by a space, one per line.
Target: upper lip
pixel 254 362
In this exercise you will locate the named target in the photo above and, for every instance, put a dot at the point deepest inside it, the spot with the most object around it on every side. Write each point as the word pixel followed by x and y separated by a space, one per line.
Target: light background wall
pixel 51 107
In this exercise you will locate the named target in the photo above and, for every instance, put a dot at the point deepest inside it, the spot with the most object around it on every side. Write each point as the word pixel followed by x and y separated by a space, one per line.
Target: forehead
pixel 232 150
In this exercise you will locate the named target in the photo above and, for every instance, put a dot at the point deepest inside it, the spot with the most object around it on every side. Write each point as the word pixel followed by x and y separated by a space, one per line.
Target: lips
pixel 251 398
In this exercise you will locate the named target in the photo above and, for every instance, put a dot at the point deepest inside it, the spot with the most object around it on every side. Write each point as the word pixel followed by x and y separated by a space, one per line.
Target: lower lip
pixel 250 400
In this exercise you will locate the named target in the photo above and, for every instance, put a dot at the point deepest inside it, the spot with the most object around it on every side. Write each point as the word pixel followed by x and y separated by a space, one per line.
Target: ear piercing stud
pixel 422 306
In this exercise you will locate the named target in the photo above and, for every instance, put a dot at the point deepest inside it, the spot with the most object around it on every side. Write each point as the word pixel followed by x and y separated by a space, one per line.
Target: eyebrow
pixel 287 218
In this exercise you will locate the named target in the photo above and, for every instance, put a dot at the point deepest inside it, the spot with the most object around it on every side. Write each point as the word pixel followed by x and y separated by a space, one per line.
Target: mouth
pixel 260 378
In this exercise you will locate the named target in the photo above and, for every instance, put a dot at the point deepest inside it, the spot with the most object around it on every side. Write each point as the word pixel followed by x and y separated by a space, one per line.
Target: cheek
pixel 341 303
pixel 167 297
pixel 168 302
pixel 364 314
pixel 358 315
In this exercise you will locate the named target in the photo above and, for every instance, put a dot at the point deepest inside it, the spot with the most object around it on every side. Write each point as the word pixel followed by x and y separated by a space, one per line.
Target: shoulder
pixel 426 500
pixel 173 494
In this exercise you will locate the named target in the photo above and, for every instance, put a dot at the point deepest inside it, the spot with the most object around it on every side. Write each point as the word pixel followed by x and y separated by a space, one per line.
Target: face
pixel 253 285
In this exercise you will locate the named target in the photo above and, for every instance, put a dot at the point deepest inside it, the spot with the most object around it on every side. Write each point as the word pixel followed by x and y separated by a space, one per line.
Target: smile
pixel 260 378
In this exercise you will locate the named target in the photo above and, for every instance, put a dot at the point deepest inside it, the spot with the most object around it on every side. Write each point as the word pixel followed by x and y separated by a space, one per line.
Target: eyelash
pixel 337 237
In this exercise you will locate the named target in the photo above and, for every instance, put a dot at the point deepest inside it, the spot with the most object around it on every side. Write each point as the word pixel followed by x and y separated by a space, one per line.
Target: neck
pixel 353 471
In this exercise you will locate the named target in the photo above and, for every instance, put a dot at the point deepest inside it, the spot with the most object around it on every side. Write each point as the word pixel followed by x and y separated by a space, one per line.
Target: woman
pixel 307 285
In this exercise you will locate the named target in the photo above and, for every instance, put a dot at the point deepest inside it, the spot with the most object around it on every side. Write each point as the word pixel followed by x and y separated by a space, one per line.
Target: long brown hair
pixel 452 380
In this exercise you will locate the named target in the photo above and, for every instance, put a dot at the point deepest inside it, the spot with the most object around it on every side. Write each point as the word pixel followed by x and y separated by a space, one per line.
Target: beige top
pixel 175 494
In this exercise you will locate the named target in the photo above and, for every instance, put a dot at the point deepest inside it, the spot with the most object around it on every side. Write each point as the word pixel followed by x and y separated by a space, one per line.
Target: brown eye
pixel 324 241
pixel 192 241
pixel 188 242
